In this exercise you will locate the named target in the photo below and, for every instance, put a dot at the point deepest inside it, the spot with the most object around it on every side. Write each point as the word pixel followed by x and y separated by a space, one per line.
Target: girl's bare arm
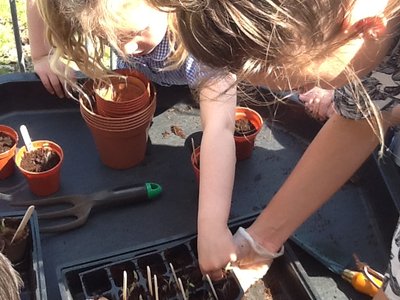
pixel 217 110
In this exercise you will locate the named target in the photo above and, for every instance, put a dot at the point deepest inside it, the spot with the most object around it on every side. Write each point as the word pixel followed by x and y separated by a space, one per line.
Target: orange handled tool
pixel 363 284
pixel 366 280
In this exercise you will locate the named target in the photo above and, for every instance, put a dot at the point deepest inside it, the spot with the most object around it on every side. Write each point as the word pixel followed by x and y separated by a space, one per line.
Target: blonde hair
pixel 80 30
pixel 247 37
pixel 10 281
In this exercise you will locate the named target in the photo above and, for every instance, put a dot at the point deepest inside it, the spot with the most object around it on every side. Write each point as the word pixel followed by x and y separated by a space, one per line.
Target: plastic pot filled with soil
pixel 25 253
pixel 41 166
pixel 14 251
pixel 8 145
pixel 248 123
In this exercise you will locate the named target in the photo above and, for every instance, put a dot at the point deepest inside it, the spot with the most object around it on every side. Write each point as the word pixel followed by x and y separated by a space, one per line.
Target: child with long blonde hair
pixel 10 281
pixel 297 45
pixel 143 37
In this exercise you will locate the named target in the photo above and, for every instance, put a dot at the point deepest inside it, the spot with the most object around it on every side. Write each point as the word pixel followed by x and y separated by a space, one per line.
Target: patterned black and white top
pixel 152 65
pixel 382 85
pixel 391 284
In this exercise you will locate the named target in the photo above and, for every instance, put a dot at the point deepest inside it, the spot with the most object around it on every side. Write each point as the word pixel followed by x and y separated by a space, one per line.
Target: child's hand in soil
pixel 318 103
pixel 215 249
pixel 253 260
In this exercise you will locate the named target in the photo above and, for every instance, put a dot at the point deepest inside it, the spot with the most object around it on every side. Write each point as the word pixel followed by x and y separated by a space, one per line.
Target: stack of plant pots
pixel 119 117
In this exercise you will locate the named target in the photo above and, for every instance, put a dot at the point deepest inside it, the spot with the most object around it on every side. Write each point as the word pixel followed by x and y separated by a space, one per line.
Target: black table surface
pixel 284 137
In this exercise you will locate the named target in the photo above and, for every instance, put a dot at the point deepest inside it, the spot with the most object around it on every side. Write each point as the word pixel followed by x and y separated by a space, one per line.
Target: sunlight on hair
pixel 333 65
pixel 363 10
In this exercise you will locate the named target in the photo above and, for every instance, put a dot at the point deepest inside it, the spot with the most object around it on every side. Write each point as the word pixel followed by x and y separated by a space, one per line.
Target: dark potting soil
pixel 244 127
pixel 258 291
pixel 8 227
pixel 39 160
pixel 6 142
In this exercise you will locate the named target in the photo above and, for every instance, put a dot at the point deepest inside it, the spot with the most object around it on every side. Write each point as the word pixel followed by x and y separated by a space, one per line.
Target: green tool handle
pixel 127 194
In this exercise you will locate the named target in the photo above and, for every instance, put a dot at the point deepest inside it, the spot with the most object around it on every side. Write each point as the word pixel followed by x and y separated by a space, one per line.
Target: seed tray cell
pixel 104 277
pixel 31 267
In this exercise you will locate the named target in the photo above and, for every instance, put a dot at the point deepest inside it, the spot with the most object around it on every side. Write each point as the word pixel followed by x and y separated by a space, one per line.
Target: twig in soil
pixel 212 286
pixel 173 273
pixel 26 137
pixel 23 223
pixel 182 289
pixel 124 286
pixel 155 287
pixel 194 153
pixel 149 281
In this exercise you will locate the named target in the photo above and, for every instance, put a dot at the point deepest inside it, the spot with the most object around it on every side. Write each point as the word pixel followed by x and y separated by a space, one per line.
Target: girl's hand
pixel 253 260
pixel 53 83
pixel 250 253
pixel 318 103
pixel 215 249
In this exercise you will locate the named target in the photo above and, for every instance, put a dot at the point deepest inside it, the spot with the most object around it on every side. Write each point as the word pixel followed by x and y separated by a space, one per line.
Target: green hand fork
pixel 80 206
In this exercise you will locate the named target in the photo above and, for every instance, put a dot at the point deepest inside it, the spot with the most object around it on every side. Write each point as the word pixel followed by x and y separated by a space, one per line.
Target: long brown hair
pixel 250 37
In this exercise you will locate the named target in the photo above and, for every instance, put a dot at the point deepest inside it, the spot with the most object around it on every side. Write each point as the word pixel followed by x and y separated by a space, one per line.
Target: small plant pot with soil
pixel 25 253
pixel 8 146
pixel 15 252
pixel 248 123
pixel 41 166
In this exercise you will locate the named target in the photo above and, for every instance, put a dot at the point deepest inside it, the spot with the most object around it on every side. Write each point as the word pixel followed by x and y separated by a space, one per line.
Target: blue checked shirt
pixel 152 65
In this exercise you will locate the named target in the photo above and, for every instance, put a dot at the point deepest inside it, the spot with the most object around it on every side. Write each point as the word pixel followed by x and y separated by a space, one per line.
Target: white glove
pixel 253 260
pixel 250 252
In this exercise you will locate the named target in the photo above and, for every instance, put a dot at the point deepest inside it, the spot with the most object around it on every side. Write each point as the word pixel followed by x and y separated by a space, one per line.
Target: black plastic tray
pixel 103 275
pixel 31 267
pixel 285 136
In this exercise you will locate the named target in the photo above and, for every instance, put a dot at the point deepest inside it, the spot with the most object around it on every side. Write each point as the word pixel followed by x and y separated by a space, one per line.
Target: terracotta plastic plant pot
pixel 47 182
pixel 195 159
pixel 136 119
pixel 136 74
pixel 116 122
pixel 124 97
pixel 120 141
pixel 245 143
pixel 7 165
pixel 114 125
pixel 121 149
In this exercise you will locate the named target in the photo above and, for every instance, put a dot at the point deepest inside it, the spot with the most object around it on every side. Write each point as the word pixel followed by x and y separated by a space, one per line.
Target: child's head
pixel 292 43
pixel 80 30
pixel 10 282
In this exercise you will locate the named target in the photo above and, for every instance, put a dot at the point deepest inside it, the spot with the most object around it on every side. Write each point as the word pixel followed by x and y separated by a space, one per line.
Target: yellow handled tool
pixel 366 280
pixel 362 283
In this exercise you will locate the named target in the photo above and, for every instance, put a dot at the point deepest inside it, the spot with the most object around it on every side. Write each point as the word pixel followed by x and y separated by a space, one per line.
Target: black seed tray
pixel 31 267
pixel 287 278
pixel 104 277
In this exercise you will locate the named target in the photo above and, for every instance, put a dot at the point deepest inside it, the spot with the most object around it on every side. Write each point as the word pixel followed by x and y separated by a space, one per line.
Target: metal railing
pixel 17 36
pixel 18 41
